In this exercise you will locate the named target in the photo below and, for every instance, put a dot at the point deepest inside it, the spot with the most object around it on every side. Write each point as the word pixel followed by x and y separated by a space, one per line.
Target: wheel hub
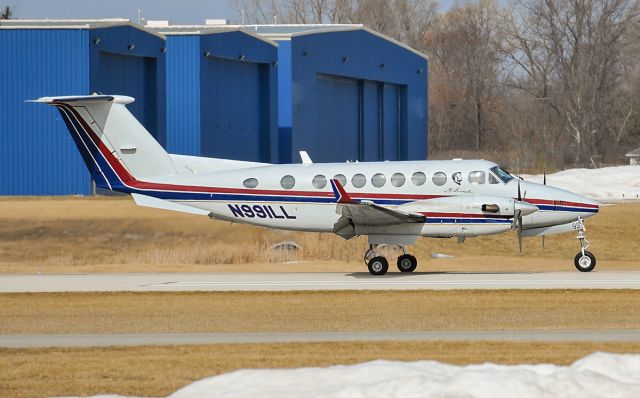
pixel 377 266
pixel 584 261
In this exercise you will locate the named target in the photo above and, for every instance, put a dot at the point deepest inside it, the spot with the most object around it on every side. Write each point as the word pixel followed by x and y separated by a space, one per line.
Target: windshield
pixel 502 174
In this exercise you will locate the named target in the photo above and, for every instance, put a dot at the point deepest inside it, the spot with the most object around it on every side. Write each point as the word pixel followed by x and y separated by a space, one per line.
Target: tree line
pixel 536 83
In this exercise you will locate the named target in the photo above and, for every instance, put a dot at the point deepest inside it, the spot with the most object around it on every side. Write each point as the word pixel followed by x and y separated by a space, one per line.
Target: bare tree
pixel 573 55
pixel 6 12
pixel 466 66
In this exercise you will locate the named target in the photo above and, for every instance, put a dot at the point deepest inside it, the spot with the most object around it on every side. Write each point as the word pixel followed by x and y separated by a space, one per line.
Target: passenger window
pixel 397 180
pixel 341 179
pixel 439 178
pixel 287 182
pixel 358 180
pixel 418 178
pixel 250 183
pixel 319 181
pixel 493 179
pixel 477 177
pixel 378 180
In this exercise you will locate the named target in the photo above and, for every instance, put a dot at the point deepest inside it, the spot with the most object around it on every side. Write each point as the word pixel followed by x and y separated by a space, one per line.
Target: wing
pixel 365 212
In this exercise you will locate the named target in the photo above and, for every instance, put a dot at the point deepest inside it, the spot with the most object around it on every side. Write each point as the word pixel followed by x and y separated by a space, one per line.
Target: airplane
pixel 391 203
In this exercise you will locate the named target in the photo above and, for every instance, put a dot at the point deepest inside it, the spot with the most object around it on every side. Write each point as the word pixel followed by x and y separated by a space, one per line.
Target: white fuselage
pixel 451 203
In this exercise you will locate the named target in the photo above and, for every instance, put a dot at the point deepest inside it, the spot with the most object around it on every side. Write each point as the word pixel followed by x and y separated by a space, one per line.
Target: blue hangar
pixel 341 92
pixel 346 92
pixel 43 58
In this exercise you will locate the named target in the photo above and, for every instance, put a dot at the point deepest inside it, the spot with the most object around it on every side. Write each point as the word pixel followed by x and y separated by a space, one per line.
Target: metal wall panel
pixel 284 102
pixel 238 97
pixel 37 154
pixel 183 94
pixel 338 130
pixel 368 59
pixel 391 122
pixel 129 61
pixel 371 119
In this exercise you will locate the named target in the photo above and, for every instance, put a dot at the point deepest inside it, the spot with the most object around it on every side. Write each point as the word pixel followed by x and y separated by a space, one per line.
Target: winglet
pixel 341 195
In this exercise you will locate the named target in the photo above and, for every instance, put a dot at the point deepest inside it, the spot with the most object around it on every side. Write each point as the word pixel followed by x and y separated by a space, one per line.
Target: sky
pixel 176 11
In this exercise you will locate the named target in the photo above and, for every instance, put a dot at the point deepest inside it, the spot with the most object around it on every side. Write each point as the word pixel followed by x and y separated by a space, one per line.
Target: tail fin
pixel 115 146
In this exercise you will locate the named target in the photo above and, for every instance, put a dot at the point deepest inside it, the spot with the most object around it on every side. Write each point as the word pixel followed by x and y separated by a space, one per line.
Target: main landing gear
pixel 378 265
pixel 585 261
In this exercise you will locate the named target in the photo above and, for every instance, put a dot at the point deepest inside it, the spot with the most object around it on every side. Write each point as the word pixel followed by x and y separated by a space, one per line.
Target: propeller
pixel 544 182
pixel 517 217
pixel 521 208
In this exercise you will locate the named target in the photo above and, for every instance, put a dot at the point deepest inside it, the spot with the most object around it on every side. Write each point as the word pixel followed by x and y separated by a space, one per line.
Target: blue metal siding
pixel 391 122
pixel 371 119
pixel 367 59
pixel 37 154
pixel 183 94
pixel 339 122
pixel 238 109
pixel 284 101
pixel 128 61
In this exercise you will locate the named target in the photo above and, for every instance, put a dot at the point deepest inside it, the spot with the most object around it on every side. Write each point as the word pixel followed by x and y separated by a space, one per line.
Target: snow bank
pixel 606 185
pixel 597 375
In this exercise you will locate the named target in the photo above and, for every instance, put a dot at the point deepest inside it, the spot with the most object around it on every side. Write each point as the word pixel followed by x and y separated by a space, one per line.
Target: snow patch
pixel 597 375
pixel 606 185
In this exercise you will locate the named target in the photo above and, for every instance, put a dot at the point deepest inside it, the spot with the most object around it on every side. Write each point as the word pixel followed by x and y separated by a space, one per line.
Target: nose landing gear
pixel 378 265
pixel 585 261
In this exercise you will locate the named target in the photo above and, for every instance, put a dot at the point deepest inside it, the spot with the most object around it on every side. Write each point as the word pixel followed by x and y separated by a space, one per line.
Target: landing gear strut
pixel 378 265
pixel 585 261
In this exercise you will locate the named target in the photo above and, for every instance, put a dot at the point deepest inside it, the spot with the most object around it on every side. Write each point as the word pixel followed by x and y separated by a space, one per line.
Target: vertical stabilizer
pixel 115 146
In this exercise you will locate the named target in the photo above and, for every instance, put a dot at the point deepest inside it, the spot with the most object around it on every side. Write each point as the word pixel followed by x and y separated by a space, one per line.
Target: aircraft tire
pixel 407 263
pixel 378 265
pixel 585 263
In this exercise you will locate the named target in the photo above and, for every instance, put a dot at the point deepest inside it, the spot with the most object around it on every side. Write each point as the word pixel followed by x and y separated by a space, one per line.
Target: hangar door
pixel 362 116
pixel 235 110
pixel 132 76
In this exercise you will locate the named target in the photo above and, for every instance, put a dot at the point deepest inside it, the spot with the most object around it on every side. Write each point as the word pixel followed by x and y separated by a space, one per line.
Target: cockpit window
pixel 502 174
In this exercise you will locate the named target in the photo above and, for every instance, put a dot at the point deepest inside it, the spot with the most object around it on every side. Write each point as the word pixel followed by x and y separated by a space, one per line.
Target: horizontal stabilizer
pixel 150 201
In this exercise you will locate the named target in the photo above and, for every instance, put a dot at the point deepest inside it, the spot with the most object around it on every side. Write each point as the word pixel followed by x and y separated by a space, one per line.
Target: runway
pixel 107 340
pixel 174 282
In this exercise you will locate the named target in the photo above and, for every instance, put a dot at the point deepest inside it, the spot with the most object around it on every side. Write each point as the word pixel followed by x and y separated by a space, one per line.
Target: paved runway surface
pixel 105 340
pixel 317 281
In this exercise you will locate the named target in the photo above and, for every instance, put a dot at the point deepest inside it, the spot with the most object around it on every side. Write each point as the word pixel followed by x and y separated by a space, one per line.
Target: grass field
pixel 61 235
pixel 160 370
pixel 208 312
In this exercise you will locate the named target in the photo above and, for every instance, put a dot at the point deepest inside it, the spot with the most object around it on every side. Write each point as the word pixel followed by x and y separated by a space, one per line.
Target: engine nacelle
pixel 464 215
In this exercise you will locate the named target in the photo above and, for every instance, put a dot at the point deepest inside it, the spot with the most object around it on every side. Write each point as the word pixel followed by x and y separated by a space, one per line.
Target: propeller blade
pixel 544 179
pixel 519 196
pixel 520 231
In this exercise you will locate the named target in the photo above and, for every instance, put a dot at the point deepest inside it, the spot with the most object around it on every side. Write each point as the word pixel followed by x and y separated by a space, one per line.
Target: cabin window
pixel 397 180
pixel 439 178
pixel 493 179
pixel 341 179
pixel 250 183
pixel 358 180
pixel 477 177
pixel 287 182
pixel 378 180
pixel 418 178
pixel 319 181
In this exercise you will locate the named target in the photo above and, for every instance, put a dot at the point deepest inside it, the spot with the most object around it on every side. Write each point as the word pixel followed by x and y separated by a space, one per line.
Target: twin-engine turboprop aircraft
pixel 390 202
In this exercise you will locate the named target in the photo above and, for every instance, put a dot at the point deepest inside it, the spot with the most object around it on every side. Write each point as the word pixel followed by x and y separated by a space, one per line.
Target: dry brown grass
pixel 208 312
pixel 160 370
pixel 112 234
